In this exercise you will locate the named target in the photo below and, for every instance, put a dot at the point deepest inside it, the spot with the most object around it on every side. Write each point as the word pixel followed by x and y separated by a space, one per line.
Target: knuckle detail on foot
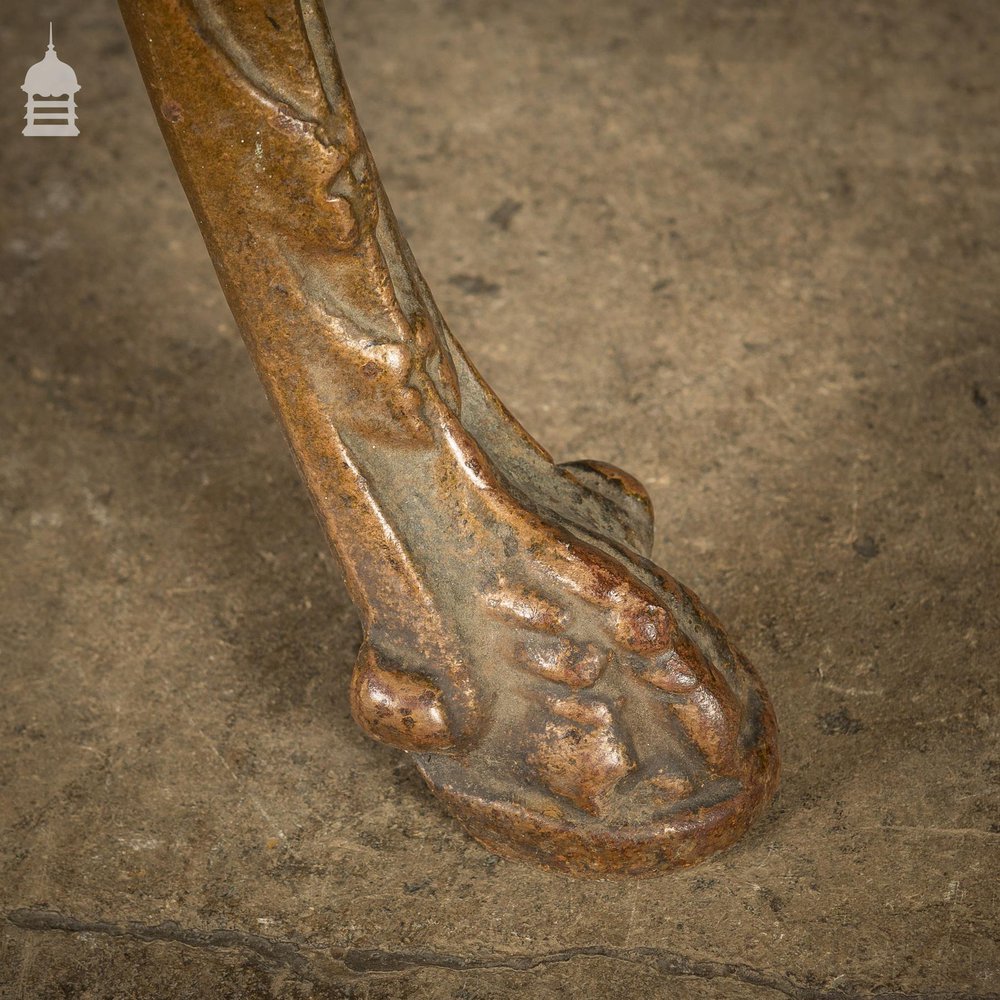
pixel 398 707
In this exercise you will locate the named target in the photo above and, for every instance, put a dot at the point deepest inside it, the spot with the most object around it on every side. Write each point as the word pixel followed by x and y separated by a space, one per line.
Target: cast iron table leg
pixel 569 702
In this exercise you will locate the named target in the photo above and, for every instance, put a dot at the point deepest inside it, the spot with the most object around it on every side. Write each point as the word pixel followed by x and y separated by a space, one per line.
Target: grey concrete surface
pixel 774 228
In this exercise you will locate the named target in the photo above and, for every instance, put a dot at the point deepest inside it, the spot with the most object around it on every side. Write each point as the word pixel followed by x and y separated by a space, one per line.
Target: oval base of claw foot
pixel 684 834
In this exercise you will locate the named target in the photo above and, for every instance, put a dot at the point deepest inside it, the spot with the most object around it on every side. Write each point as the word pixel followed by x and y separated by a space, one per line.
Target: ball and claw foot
pixel 613 730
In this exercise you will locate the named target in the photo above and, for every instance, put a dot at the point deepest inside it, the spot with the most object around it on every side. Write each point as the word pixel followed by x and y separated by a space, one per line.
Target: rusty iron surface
pixel 568 701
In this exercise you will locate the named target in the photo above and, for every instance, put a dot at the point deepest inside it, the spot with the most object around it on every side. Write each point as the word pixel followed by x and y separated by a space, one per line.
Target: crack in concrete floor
pixel 300 959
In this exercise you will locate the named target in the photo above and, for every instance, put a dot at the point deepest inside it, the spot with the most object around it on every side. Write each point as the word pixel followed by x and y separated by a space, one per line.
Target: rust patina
pixel 571 703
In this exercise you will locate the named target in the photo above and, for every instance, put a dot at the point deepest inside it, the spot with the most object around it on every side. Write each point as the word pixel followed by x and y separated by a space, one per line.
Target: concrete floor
pixel 773 228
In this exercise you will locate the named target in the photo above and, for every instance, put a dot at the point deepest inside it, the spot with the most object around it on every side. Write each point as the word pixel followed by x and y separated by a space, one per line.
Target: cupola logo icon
pixel 51 87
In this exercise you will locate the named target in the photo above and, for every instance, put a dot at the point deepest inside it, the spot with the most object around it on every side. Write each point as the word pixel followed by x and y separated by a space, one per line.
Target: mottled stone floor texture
pixel 748 251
